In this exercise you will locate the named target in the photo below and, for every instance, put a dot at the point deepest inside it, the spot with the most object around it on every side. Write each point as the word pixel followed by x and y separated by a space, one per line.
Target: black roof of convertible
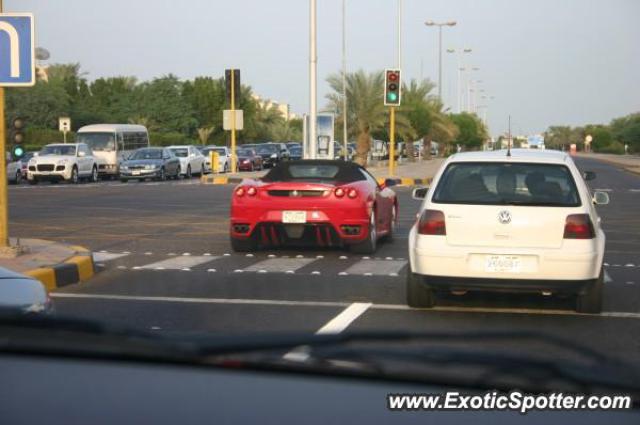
pixel 347 171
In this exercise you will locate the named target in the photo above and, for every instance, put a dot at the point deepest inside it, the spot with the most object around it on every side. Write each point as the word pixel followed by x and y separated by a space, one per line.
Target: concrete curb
pixel 400 181
pixel 75 269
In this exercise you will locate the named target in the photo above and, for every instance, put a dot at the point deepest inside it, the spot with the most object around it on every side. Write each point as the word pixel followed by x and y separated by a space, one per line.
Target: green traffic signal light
pixel 392 97
pixel 18 152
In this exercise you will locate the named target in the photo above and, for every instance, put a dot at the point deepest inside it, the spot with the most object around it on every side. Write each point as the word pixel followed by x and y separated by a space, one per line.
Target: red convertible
pixel 321 202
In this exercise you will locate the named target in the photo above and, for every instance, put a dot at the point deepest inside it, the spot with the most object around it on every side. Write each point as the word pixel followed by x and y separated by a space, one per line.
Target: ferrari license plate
pixel 135 173
pixel 502 263
pixel 294 216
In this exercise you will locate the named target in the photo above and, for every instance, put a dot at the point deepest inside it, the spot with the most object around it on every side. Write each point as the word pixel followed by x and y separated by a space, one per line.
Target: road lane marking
pixel 607 277
pixel 101 257
pixel 293 303
pixel 344 319
pixel 370 268
pixel 180 263
pixel 279 264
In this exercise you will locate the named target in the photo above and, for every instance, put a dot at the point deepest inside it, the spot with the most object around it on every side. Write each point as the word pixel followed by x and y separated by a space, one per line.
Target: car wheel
pixel 590 301
pixel 202 170
pixel 162 177
pixel 419 295
pixel 367 246
pixel 74 175
pixel 18 177
pixel 188 175
pixel 242 245
pixel 94 175
pixel 226 167
pixel 392 224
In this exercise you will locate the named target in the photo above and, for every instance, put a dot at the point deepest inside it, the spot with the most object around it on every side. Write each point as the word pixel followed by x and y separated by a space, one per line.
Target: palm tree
pixel 204 133
pixel 267 119
pixel 366 112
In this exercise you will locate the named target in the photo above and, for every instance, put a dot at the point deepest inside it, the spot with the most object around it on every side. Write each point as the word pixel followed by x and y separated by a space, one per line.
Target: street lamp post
pixel 313 84
pixel 440 25
pixel 459 70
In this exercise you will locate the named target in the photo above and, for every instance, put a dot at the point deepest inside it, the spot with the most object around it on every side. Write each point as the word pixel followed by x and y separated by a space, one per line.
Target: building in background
pixel 284 108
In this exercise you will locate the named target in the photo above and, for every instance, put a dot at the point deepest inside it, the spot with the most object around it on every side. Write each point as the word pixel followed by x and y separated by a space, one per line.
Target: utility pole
pixel 344 81
pixel 313 83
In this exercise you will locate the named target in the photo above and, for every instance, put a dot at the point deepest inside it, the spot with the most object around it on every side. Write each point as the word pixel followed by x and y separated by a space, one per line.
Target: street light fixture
pixel 440 25
pixel 460 70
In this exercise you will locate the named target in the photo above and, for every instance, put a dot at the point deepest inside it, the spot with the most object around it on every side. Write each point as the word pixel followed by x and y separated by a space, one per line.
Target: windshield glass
pixel 262 149
pixel 502 183
pixel 180 152
pixel 443 167
pixel 58 150
pixel 98 142
pixel 146 154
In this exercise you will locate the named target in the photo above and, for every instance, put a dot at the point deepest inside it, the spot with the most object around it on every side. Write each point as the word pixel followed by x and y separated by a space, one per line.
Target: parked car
pixel 191 160
pixel 535 229
pixel 322 202
pixel 23 294
pixel 272 153
pixel 224 157
pixel 17 170
pixel 295 152
pixel 150 163
pixel 55 162
pixel 293 145
pixel 248 160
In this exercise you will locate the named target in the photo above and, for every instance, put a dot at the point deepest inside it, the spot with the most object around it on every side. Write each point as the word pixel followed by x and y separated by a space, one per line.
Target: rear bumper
pixel 506 285
pixel 340 222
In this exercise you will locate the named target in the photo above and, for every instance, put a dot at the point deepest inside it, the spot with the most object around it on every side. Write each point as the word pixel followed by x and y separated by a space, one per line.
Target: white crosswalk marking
pixel 369 267
pixel 179 263
pixel 280 264
pixel 100 257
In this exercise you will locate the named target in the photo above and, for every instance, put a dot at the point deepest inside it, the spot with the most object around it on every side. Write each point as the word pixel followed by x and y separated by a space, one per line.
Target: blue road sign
pixel 17 52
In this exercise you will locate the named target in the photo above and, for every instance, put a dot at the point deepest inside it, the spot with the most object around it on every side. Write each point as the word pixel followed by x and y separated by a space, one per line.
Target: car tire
pixel 202 170
pixel 243 245
pixel 590 301
pixel 94 175
pixel 75 178
pixel 392 224
pixel 419 295
pixel 226 167
pixel 162 177
pixel 367 246
pixel 188 175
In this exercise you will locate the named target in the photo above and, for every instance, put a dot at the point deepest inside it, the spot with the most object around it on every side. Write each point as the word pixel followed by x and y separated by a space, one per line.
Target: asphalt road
pixel 165 264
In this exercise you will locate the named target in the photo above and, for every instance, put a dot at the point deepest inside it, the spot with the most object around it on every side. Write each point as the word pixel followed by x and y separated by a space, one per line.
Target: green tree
pixel 472 132
pixel 41 105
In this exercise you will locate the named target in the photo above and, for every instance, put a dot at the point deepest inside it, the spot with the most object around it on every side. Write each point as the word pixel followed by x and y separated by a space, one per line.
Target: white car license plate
pixel 502 263
pixel 135 173
pixel 294 216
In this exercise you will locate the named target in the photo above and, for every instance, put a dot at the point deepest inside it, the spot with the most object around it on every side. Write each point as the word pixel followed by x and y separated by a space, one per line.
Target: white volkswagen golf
pixel 522 222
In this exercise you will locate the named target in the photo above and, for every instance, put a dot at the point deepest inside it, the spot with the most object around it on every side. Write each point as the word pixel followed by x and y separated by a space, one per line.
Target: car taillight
pixel 252 191
pixel 339 192
pixel 432 223
pixel 240 191
pixel 578 226
pixel 352 193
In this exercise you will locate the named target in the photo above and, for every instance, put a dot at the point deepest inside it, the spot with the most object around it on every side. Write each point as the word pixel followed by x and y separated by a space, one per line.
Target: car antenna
pixel 509 140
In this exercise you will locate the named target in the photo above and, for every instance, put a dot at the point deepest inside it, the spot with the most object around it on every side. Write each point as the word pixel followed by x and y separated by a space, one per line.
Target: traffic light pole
pixel 233 121
pixel 392 140
pixel 4 227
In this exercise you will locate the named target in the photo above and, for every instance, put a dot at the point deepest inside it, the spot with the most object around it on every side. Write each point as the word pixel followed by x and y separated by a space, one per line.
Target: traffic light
pixel 392 87
pixel 236 86
pixel 17 138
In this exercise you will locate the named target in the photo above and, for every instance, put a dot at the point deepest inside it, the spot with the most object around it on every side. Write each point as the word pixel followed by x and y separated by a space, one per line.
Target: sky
pixel 545 62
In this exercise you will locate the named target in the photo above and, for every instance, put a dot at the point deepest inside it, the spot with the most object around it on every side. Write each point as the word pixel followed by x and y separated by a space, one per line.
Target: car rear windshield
pixel 494 183
pixel 299 171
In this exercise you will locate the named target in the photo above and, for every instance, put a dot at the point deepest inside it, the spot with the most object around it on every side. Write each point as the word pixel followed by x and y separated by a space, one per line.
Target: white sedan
pixel 191 160
pixel 71 162
pixel 524 222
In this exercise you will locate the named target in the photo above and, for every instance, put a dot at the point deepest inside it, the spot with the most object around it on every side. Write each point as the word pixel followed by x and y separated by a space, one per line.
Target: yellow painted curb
pixel 45 275
pixel 85 266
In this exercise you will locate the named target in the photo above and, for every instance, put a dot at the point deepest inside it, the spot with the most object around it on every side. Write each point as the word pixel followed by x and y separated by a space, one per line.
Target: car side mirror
pixel 419 193
pixel 601 198
pixel 588 175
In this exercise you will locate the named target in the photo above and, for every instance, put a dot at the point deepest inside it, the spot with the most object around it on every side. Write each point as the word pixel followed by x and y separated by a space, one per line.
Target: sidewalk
pixel 628 162
pixel 54 264
pixel 409 173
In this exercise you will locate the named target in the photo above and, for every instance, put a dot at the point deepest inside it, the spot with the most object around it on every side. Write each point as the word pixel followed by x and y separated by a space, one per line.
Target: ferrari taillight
pixel 352 193
pixel 339 192
pixel 252 191
pixel 240 191
pixel 432 223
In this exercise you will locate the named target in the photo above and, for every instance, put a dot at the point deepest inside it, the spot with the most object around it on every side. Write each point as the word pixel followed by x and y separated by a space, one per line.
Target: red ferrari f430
pixel 313 202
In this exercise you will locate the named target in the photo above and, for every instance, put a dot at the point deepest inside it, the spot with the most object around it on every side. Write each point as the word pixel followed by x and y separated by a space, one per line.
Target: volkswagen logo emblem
pixel 504 217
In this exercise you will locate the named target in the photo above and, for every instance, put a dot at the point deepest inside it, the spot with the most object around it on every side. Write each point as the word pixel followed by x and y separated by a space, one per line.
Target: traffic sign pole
pixel 233 122
pixel 392 140
pixel 4 226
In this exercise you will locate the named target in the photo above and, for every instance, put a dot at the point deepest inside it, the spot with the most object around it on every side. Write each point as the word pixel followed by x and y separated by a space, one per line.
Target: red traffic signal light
pixel 392 87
